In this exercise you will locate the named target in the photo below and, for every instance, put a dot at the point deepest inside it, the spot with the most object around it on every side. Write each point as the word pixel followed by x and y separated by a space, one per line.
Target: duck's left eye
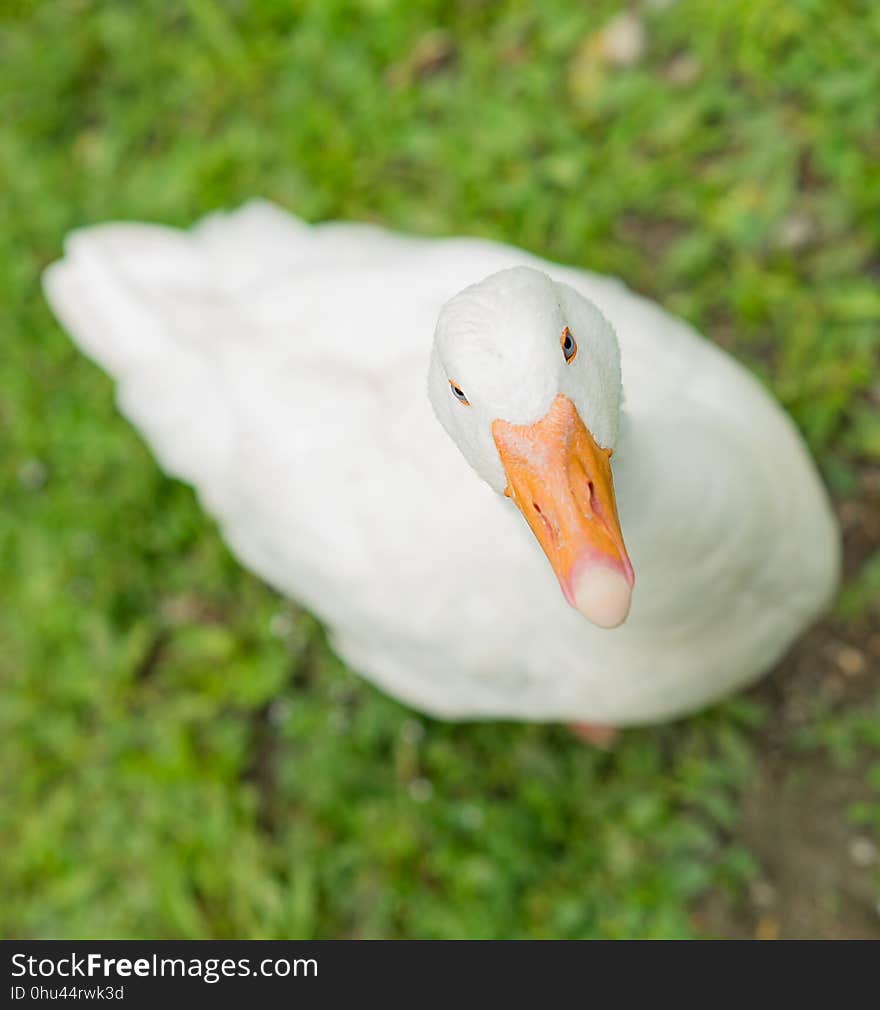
pixel 458 393
pixel 569 345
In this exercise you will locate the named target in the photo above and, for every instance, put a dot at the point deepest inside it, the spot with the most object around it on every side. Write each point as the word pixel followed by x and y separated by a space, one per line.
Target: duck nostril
pixel 548 526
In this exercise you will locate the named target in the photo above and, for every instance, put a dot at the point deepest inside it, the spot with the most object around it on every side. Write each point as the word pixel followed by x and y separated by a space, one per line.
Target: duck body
pixel 280 369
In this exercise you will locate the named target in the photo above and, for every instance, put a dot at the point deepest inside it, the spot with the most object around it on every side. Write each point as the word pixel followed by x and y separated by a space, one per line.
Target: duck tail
pixel 158 308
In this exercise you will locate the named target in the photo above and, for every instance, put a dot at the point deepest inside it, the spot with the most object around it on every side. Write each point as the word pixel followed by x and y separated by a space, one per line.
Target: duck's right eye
pixel 458 393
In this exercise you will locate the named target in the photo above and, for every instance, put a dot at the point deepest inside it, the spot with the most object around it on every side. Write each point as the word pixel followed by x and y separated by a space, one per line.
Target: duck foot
pixel 600 736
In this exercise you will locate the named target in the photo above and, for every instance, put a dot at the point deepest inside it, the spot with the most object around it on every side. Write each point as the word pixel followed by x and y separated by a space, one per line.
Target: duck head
pixel 525 378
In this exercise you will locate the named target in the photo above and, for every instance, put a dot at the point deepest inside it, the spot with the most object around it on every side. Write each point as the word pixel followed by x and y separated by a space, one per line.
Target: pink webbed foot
pixel 603 737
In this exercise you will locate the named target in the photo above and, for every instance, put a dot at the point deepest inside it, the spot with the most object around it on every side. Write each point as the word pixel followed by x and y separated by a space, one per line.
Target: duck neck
pixel 624 464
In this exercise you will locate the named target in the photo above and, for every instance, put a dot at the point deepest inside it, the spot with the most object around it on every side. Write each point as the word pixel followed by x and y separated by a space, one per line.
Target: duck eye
pixel 569 345
pixel 458 393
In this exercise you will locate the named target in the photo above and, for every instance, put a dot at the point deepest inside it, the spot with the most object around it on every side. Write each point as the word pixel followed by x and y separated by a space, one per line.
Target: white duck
pixel 279 368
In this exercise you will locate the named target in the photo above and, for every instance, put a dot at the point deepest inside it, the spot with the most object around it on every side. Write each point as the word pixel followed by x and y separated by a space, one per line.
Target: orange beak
pixel 560 479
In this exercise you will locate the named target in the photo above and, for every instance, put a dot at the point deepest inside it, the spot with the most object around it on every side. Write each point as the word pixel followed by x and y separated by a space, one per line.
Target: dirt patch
pixel 818 870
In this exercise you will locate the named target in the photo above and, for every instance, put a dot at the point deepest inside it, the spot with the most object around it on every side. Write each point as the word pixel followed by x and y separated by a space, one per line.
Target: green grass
pixel 180 754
